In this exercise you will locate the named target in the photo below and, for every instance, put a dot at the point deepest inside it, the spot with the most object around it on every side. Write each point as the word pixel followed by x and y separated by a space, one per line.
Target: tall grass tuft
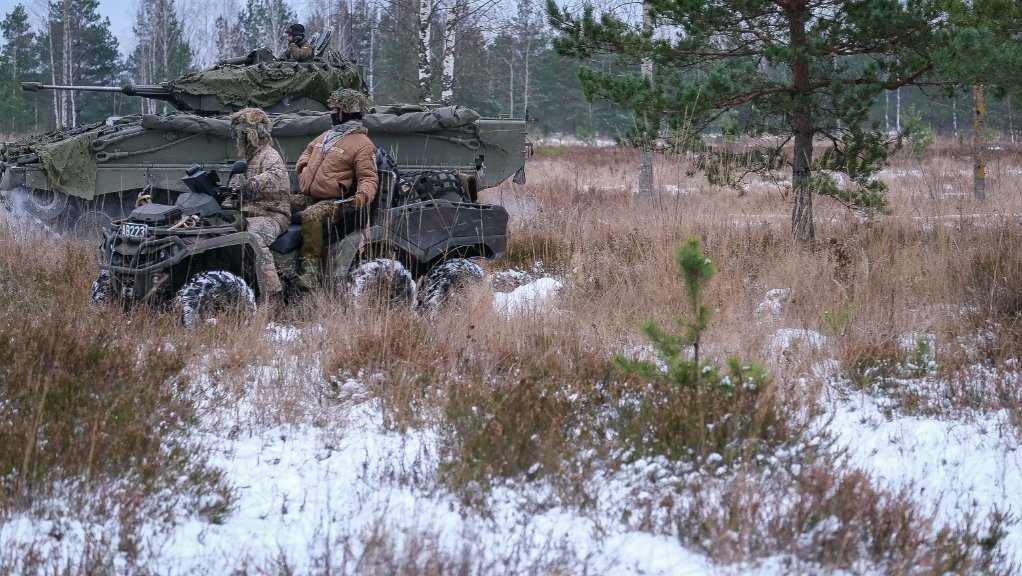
pixel 90 397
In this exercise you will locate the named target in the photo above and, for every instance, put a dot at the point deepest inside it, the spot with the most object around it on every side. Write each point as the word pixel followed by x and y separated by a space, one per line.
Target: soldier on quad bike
pixel 263 189
pixel 336 171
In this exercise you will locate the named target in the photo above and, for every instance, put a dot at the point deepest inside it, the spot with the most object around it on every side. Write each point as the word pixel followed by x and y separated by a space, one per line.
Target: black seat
pixel 290 240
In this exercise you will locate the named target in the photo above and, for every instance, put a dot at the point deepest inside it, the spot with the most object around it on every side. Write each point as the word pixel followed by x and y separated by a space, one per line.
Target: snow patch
pixel 769 310
pixel 788 342
pixel 960 468
pixel 529 298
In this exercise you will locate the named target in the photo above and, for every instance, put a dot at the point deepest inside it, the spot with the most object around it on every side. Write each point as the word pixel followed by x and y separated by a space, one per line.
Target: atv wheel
pixel 102 289
pixel 381 280
pixel 214 294
pixel 447 279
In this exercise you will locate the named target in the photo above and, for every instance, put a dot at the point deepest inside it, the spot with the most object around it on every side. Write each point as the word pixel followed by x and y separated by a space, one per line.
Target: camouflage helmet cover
pixel 251 127
pixel 349 101
pixel 295 30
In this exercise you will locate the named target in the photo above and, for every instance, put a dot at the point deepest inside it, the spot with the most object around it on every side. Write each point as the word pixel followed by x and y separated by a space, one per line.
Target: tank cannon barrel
pixel 145 90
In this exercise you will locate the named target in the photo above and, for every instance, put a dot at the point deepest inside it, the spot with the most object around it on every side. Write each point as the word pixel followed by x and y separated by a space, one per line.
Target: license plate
pixel 134 230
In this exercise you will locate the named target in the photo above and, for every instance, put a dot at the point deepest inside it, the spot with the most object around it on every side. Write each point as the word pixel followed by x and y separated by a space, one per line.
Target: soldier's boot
pixel 312 255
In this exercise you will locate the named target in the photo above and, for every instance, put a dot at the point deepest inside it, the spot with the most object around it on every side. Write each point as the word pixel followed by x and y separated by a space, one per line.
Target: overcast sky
pixel 120 12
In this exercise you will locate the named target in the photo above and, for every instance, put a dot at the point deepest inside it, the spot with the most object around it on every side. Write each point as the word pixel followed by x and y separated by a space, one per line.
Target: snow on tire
pixel 446 279
pixel 210 294
pixel 381 280
pixel 102 289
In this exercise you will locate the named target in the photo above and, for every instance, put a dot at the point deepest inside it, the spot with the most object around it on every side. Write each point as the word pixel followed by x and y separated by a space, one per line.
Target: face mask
pixel 335 117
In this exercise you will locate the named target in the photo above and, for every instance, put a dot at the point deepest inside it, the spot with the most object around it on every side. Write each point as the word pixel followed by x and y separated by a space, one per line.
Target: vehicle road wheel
pixel 445 280
pixel 212 295
pixel 381 280
pixel 102 289
pixel 43 204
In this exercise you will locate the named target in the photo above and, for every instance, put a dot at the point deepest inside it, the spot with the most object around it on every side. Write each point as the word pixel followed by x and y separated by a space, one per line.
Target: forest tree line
pixel 500 60
pixel 74 46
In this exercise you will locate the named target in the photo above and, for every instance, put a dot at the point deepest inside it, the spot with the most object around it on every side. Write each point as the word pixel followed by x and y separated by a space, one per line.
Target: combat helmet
pixel 349 101
pixel 251 128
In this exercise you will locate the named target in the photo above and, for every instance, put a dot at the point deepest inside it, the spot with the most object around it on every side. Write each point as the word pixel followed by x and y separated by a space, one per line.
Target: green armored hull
pixel 86 176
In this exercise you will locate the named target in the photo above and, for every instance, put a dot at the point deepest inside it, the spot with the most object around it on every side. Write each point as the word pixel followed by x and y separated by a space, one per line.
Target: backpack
pixel 430 185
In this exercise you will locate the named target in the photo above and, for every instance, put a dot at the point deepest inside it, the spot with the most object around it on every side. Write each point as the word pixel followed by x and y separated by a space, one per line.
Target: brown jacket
pixel 351 157
pixel 265 187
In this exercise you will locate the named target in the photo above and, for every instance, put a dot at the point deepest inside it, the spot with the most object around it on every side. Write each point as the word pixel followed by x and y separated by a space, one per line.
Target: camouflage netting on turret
pixel 269 83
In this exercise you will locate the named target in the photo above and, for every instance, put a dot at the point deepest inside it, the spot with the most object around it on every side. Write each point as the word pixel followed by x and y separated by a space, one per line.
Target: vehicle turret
pixel 253 80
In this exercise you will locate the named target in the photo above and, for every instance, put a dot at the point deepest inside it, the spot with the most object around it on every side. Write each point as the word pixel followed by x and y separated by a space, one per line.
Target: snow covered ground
pixel 328 497
pixel 964 468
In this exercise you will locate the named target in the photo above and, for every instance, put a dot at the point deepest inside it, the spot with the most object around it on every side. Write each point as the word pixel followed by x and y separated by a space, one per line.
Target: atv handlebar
pixel 203 181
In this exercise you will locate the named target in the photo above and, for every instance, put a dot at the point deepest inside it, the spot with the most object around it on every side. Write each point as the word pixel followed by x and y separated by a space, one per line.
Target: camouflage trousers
pixel 266 230
pixel 314 210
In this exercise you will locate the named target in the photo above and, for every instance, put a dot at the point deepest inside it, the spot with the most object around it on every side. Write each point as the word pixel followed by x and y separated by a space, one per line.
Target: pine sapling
pixel 696 269
pixel 685 406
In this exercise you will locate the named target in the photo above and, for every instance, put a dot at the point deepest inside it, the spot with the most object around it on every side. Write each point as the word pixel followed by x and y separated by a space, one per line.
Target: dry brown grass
pixel 522 397
pixel 912 270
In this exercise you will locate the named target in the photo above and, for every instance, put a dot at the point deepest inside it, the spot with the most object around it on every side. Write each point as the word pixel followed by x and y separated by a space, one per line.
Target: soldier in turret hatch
pixel 298 50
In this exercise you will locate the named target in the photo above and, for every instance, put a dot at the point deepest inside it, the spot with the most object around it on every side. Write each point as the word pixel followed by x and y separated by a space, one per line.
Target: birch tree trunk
pixel 526 73
pixel 163 25
pixel 954 116
pixel 897 109
pixel 62 75
pixel 372 57
pixel 276 26
pixel 511 87
pixel 887 110
pixel 53 70
pixel 450 40
pixel 425 72
pixel 67 108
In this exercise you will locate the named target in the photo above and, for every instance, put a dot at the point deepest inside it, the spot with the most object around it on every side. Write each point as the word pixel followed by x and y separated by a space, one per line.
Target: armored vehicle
pixel 84 177
pixel 195 255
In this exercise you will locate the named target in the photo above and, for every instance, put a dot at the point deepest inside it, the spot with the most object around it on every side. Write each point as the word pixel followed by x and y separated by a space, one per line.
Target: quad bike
pixel 196 257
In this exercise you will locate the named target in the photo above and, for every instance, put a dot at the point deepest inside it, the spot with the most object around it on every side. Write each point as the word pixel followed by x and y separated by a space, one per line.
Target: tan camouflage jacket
pixel 297 52
pixel 351 158
pixel 265 187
